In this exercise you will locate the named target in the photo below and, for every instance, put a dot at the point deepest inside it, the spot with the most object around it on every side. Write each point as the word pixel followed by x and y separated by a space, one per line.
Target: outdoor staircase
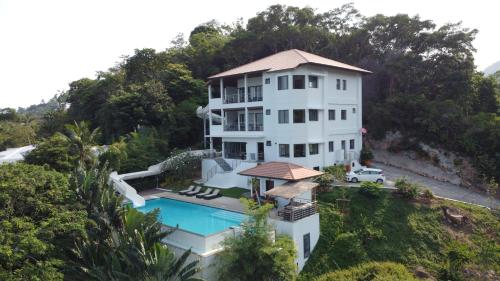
pixel 223 164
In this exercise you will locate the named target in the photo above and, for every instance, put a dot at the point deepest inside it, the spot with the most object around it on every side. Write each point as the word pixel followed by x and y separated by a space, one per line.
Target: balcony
pixel 298 210
pixel 255 127
pixel 255 93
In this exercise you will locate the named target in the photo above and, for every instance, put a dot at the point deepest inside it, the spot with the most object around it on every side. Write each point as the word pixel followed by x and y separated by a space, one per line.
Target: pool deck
pixel 227 203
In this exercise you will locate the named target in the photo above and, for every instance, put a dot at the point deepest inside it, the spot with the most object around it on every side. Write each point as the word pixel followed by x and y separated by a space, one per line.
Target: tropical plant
pixel 54 152
pixel 82 141
pixel 371 189
pixel 253 255
pixel 324 181
pixel 122 243
pixel 337 172
pixel 366 155
pixel 406 188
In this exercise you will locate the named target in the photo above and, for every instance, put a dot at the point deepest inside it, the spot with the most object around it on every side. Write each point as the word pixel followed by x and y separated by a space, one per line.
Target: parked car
pixel 366 174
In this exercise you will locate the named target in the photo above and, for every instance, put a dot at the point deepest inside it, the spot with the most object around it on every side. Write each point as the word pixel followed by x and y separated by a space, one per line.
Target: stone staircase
pixel 223 164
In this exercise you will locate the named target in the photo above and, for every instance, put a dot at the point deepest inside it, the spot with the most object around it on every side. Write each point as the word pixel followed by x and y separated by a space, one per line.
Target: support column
pixel 246 87
pixel 222 90
pixel 246 118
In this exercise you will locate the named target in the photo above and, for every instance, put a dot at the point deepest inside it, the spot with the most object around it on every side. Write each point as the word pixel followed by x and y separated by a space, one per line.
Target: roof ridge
pixel 300 54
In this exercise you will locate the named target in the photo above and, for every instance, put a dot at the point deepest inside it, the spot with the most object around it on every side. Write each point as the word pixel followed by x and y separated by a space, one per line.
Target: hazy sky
pixel 46 44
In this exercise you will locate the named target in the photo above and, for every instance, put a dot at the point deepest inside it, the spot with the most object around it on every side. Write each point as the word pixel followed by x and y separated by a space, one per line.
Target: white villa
pixel 292 107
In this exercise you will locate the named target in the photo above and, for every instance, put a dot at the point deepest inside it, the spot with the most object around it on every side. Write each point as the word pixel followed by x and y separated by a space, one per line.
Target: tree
pixel 253 255
pixel 40 220
pixel 82 141
pixel 54 152
pixel 123 243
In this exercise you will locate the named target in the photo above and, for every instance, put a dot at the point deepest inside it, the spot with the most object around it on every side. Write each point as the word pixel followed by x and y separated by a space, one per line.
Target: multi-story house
pixel 292 106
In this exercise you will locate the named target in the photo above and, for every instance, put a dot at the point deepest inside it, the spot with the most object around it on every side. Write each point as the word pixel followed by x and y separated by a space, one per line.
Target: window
pixel 255 93
pixel 299 150
pixel 331 114
pixel 268 81
pixel 216 121
pixel 284 150
pixel 343 114
pixel 351 144
pixel 316 168
pixel 299 116
pixel 338 84
pixel 313 115
pixel 283 82
pixel 268 111
pixel 268 143
pixel 307 245
pixel 330 146
pixel 313 81
pixel 344 85
pixel 299 81
pixel 313 149
pixel 353 110
pixel 282 116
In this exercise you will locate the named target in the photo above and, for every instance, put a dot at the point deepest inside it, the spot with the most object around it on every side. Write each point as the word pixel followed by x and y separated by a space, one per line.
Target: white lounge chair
pixel 187 190
pixel 207 191
pixel 194 192
pixel 213 195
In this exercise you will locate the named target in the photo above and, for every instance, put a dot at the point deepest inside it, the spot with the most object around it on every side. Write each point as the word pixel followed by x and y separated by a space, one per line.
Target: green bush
pixel 406 188
pixel 370 271
pixel 324 181
pixel 365 155
pixel 427 194
pixel 337 172
pixel 371 189
pixel 348 250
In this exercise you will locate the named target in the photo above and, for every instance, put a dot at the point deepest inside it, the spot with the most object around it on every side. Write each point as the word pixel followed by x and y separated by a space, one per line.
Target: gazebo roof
pixel 290 190
pixel 281 170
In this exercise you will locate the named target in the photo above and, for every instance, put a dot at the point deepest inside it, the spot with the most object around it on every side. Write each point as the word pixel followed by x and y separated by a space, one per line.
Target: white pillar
pixel 246 118
pixel 222 90
pixel 246 87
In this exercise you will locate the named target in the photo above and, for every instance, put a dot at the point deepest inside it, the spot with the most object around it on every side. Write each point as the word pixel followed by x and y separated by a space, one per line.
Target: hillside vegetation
pixel 408 232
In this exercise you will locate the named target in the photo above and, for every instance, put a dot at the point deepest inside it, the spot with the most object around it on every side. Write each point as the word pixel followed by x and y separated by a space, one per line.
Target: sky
pixel 44 45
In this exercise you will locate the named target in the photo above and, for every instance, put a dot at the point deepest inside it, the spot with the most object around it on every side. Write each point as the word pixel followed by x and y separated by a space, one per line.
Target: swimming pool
pixel 195 218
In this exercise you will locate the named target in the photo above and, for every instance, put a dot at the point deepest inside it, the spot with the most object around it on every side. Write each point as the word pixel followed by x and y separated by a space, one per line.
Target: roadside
pixel 439 188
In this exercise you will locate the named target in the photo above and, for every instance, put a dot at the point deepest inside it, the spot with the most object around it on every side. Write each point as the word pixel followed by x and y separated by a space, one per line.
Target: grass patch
pixel 234 192
pixel 390 228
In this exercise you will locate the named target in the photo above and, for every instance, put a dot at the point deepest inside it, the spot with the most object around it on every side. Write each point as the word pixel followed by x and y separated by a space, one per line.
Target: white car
pixel 366 174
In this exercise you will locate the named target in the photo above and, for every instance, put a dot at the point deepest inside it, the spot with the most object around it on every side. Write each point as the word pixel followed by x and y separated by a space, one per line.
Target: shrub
pixel 427 194
pixel 370 271
pixel 337 172
pixel 348 250
pixel 407 189
pixel 365 155
pixel 324 181
pixel 371 189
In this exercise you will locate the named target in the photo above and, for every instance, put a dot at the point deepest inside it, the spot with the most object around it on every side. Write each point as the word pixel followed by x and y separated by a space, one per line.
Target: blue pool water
pixel 193 217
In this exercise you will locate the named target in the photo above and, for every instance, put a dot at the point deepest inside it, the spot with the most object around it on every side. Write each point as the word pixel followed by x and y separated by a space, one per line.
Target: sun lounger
pixel 207 191
pixel 187 190
pixel 194 192
pixel 212 195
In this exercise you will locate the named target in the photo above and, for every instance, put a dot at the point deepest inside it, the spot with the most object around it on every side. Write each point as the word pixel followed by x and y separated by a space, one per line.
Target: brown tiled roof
pixel 286 60
pixel 280 170
pixel 291 189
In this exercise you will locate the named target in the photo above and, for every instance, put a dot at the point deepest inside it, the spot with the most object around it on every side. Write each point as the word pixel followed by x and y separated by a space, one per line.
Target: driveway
pixel 439 188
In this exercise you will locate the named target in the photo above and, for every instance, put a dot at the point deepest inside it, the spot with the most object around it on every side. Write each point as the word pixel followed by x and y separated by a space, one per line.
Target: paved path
pixel 439 188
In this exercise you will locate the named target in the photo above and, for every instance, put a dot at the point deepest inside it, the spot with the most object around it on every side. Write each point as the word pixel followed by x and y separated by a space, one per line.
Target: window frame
pixel 303 81
pixel 286 85
pixel 267 81
pixel 343 114
pixel 330 115
pixel 295 146
pixel 286 115
pixel 286 147
pixel 317 115
pixel 316 150
pixel 331 146
pixel 312 84
pixel 352 144
pixel 303 119
pixel 344 85
pixel 338 83
pixel 306 243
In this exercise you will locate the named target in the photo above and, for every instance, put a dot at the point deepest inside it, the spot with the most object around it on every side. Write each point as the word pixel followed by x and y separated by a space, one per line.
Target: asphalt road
pixel 439 188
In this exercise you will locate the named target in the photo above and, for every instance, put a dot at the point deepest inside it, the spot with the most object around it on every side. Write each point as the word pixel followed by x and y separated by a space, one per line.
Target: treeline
pixel 424 81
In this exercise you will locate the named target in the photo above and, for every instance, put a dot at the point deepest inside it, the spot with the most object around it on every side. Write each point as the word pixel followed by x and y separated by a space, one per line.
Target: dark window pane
pixel 351 144
pixel 299 150
pixel 343 114
pixel 313 115
pixel 338 84
pixel 307 245
pixel 344 85
pixel 282 116
pixel 299 116
pixel 331 114
pixel 313 81
pixel 313 149
pixel 268 81
pixel 283 82
pixel 284 150
pixel 299 81
pixel 330 146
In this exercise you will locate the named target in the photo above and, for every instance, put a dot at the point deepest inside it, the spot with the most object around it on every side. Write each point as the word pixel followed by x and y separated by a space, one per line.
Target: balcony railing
pixel 256 127
pixel 234 127
pixel 296 211
pixel 235 155
pixel 232 98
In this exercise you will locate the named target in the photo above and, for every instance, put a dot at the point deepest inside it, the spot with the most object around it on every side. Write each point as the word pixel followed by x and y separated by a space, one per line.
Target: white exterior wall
pixel 296 230
pixel 323 98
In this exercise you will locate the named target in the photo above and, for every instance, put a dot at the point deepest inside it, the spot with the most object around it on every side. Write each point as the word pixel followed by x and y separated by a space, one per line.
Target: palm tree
pixel 123 243
pixel 82 141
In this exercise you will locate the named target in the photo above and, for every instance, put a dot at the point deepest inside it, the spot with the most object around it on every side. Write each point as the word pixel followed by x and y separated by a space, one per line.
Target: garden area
pixel 368 231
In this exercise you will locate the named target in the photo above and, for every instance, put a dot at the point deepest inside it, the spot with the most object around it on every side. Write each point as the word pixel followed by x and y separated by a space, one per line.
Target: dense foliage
pixel 39 223
pixel 390 228
pixel 370 271
pixel 253 255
